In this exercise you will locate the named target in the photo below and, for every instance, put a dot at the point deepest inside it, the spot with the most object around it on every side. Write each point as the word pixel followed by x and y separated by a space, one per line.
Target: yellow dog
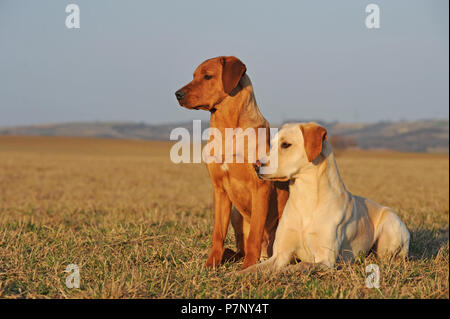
pixel 322 221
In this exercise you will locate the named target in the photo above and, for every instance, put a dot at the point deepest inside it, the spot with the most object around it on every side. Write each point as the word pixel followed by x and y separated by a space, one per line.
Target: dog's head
pixel 213 81
pixel 297 145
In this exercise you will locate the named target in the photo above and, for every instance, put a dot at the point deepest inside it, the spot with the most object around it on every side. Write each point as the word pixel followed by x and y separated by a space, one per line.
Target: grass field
pixel 139 226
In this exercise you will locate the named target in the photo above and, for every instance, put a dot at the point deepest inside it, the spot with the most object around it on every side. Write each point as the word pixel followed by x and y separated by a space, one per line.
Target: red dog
pixel 221 86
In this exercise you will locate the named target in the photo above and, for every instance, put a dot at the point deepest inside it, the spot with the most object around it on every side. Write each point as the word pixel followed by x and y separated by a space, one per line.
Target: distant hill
pixel 418 136
pixel 98 129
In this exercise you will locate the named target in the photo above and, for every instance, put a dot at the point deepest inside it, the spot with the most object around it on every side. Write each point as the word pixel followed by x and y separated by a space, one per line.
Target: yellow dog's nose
pixel 257 165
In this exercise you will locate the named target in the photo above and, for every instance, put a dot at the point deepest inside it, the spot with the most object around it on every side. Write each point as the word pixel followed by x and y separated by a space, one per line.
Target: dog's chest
pixel 236 180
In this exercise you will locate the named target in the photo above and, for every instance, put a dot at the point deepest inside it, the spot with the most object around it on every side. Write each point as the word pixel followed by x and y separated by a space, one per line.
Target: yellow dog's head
pixel 296 146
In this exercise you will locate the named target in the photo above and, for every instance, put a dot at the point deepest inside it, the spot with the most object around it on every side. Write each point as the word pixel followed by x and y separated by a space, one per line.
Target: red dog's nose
pixel 180 94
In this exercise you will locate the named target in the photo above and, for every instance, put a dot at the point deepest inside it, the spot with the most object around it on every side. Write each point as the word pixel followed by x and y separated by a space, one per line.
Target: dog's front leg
pixel 260 207
pixel 324 254
pixel 222 209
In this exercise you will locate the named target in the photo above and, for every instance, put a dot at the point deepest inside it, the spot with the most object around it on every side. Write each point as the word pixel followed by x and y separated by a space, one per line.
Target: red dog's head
pixel 213 81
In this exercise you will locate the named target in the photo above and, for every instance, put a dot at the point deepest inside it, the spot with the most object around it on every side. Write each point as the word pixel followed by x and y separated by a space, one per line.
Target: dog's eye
pixel 207 77
pixel 285 145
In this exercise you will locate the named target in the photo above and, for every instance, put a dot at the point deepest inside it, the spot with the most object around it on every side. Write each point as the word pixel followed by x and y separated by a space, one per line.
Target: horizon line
pixel 190 120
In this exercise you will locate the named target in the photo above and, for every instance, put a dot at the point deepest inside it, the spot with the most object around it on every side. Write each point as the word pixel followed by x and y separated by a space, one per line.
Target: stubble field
pixel 139 226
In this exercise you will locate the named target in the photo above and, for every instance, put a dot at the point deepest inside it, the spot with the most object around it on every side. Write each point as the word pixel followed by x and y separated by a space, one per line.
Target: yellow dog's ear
pixel 313 136
pixel 232 71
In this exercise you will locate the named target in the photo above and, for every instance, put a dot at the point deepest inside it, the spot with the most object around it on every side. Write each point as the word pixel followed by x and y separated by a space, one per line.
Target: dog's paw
pixel 249 260
pixel 214 260
pixel 304 268
pixel 247 270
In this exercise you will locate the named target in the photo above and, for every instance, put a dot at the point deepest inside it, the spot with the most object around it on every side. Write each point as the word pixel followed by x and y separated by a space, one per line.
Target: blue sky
pixel 306 59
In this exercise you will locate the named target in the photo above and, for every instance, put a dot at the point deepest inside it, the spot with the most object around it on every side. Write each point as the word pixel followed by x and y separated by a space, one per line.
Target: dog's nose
pixel 180 94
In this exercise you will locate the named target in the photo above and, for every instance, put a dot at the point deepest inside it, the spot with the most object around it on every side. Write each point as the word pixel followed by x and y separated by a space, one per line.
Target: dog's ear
pixel 232 71
pixel 313 136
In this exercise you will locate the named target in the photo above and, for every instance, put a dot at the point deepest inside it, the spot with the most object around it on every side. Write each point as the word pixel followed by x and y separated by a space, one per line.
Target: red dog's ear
pixel 313 136
pixel 232 71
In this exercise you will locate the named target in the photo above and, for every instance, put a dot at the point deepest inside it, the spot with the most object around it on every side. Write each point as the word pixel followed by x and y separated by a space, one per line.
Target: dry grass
pixel 139 226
